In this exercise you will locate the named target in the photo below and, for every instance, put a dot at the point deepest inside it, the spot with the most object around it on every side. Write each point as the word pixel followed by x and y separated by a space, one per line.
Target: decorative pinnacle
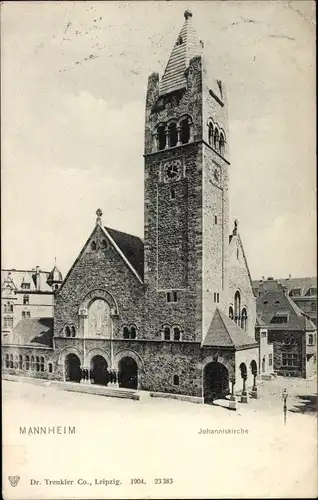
pixel 99 214
pixel 187 13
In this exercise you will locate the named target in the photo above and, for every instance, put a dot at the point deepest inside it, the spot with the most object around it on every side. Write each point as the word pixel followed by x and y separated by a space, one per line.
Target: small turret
pixel 55 278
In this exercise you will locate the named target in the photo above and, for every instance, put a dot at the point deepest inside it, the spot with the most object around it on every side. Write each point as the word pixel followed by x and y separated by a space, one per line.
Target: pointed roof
pixel 187 46
pixel 223 332
pixel 55 276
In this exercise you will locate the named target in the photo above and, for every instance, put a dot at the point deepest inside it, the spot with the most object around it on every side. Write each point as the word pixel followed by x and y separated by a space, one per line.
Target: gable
pixel 237 258
pixel 105 244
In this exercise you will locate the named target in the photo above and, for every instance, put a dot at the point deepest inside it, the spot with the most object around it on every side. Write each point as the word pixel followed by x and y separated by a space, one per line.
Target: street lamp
pixel 285 396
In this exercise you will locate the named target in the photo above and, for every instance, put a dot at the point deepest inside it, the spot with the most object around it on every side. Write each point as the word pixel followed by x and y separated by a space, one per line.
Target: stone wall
pixel 48 354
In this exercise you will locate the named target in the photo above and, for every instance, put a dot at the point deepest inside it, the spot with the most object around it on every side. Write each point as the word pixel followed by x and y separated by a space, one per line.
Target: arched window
pixel 7 361
pixel 42 364
pixel 210 134
pixel 167 333
pixel 216 139
pixel 185 131
pixel 126 332
pixel 231 312
pixel 11 360
pixel 32 362
pixel 133 332
pixel 37 363
pixel 161 137
pixel 222 144
pixel 73 331
pixel 176 380
pixel 20 362
pixel 25 300
pixel 99 318
pixel 16 361
pixel 93 246
pixel 172 194
pixel 67 331
pixel 27 362
pixel 50 367
pixel 104 244
pixel 172 135
pixel 244 319
pixel 237 307
pixel 176 333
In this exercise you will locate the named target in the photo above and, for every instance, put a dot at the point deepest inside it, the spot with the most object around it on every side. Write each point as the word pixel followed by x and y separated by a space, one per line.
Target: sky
pixel 73 85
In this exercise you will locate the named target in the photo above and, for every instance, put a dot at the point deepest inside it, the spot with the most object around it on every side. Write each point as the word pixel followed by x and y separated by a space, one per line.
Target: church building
pixel 175 312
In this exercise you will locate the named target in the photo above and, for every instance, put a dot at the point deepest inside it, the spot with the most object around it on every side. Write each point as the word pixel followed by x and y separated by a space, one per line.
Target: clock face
pixel 172 170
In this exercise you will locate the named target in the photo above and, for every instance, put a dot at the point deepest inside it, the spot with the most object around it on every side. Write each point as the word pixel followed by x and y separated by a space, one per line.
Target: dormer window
pixel 180 40
pixel 26 286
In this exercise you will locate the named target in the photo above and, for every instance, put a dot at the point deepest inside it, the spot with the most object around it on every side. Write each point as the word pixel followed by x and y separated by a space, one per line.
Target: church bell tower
pixel 186 194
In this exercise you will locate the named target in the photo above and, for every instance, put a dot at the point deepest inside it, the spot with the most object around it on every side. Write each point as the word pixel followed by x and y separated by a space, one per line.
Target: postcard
pixel 158 275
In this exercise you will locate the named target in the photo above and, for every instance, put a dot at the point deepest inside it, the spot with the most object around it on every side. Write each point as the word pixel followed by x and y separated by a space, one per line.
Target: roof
pixel 15 277
pixel 304 284
pixel 131 246
pixel 33 331
pixel 273 301
pixel 55 276
pixel 187 46
pixel 223 332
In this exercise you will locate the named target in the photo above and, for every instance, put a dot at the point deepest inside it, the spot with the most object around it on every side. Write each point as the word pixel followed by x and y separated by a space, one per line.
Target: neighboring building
pixel 303 291
pixel 176 312
pixel 290 330
pixel 26 294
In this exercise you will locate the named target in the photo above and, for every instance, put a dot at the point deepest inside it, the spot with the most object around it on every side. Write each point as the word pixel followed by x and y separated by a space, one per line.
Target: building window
pixel 313 307
pixel 104 244
pixel 172 296
pixel 16 362
pixel 25 286
pixel 290 359
pixel 180 40
pixel 7 322
pixel 313 291
pixel 73 331
pixel 216 139
pixel 231 312
pixel 11 360
pixel 176 333
pixel 172 135
pixel 67 331
pixel 222 144
pixel 26 314
pixel 50 367
pixel 216 297
pixel 263 335
pixel 176 380
pixel 27 362
pixel 237 307
pixel 310 339
pixel 161 137
pixel 295 292
pixel 244 319
pixel 37 363
pixel 25 300
pixel 210 134
pixel 270 360
pixel 93 246
pixel 133 332
pixel 277 302
pixel 215 219
pixel 167 333
pixel 185 131
pixel 20 362
pixel 32 362
pixel 7 362
pixel 130 333
pixel 126 332
pixel 42 364
pixel 279 319
pixel 172 194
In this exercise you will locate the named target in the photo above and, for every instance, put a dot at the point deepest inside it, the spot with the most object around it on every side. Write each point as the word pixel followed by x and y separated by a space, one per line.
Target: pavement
pixel 206 451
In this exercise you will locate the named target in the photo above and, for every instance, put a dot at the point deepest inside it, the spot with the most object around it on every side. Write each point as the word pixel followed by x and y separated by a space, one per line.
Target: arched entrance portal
pixel 99 374
pixel 128 373
pixel 72 368
pixel 216 381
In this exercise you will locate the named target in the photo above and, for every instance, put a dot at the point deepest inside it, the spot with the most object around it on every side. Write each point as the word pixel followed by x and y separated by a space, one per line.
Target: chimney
pixel 37 278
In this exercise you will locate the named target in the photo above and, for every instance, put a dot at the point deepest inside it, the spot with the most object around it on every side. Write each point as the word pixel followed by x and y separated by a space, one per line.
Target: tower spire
pixel 187 46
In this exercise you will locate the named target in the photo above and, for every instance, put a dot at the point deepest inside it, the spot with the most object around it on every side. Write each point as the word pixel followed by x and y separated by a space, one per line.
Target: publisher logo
pixel 14 480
